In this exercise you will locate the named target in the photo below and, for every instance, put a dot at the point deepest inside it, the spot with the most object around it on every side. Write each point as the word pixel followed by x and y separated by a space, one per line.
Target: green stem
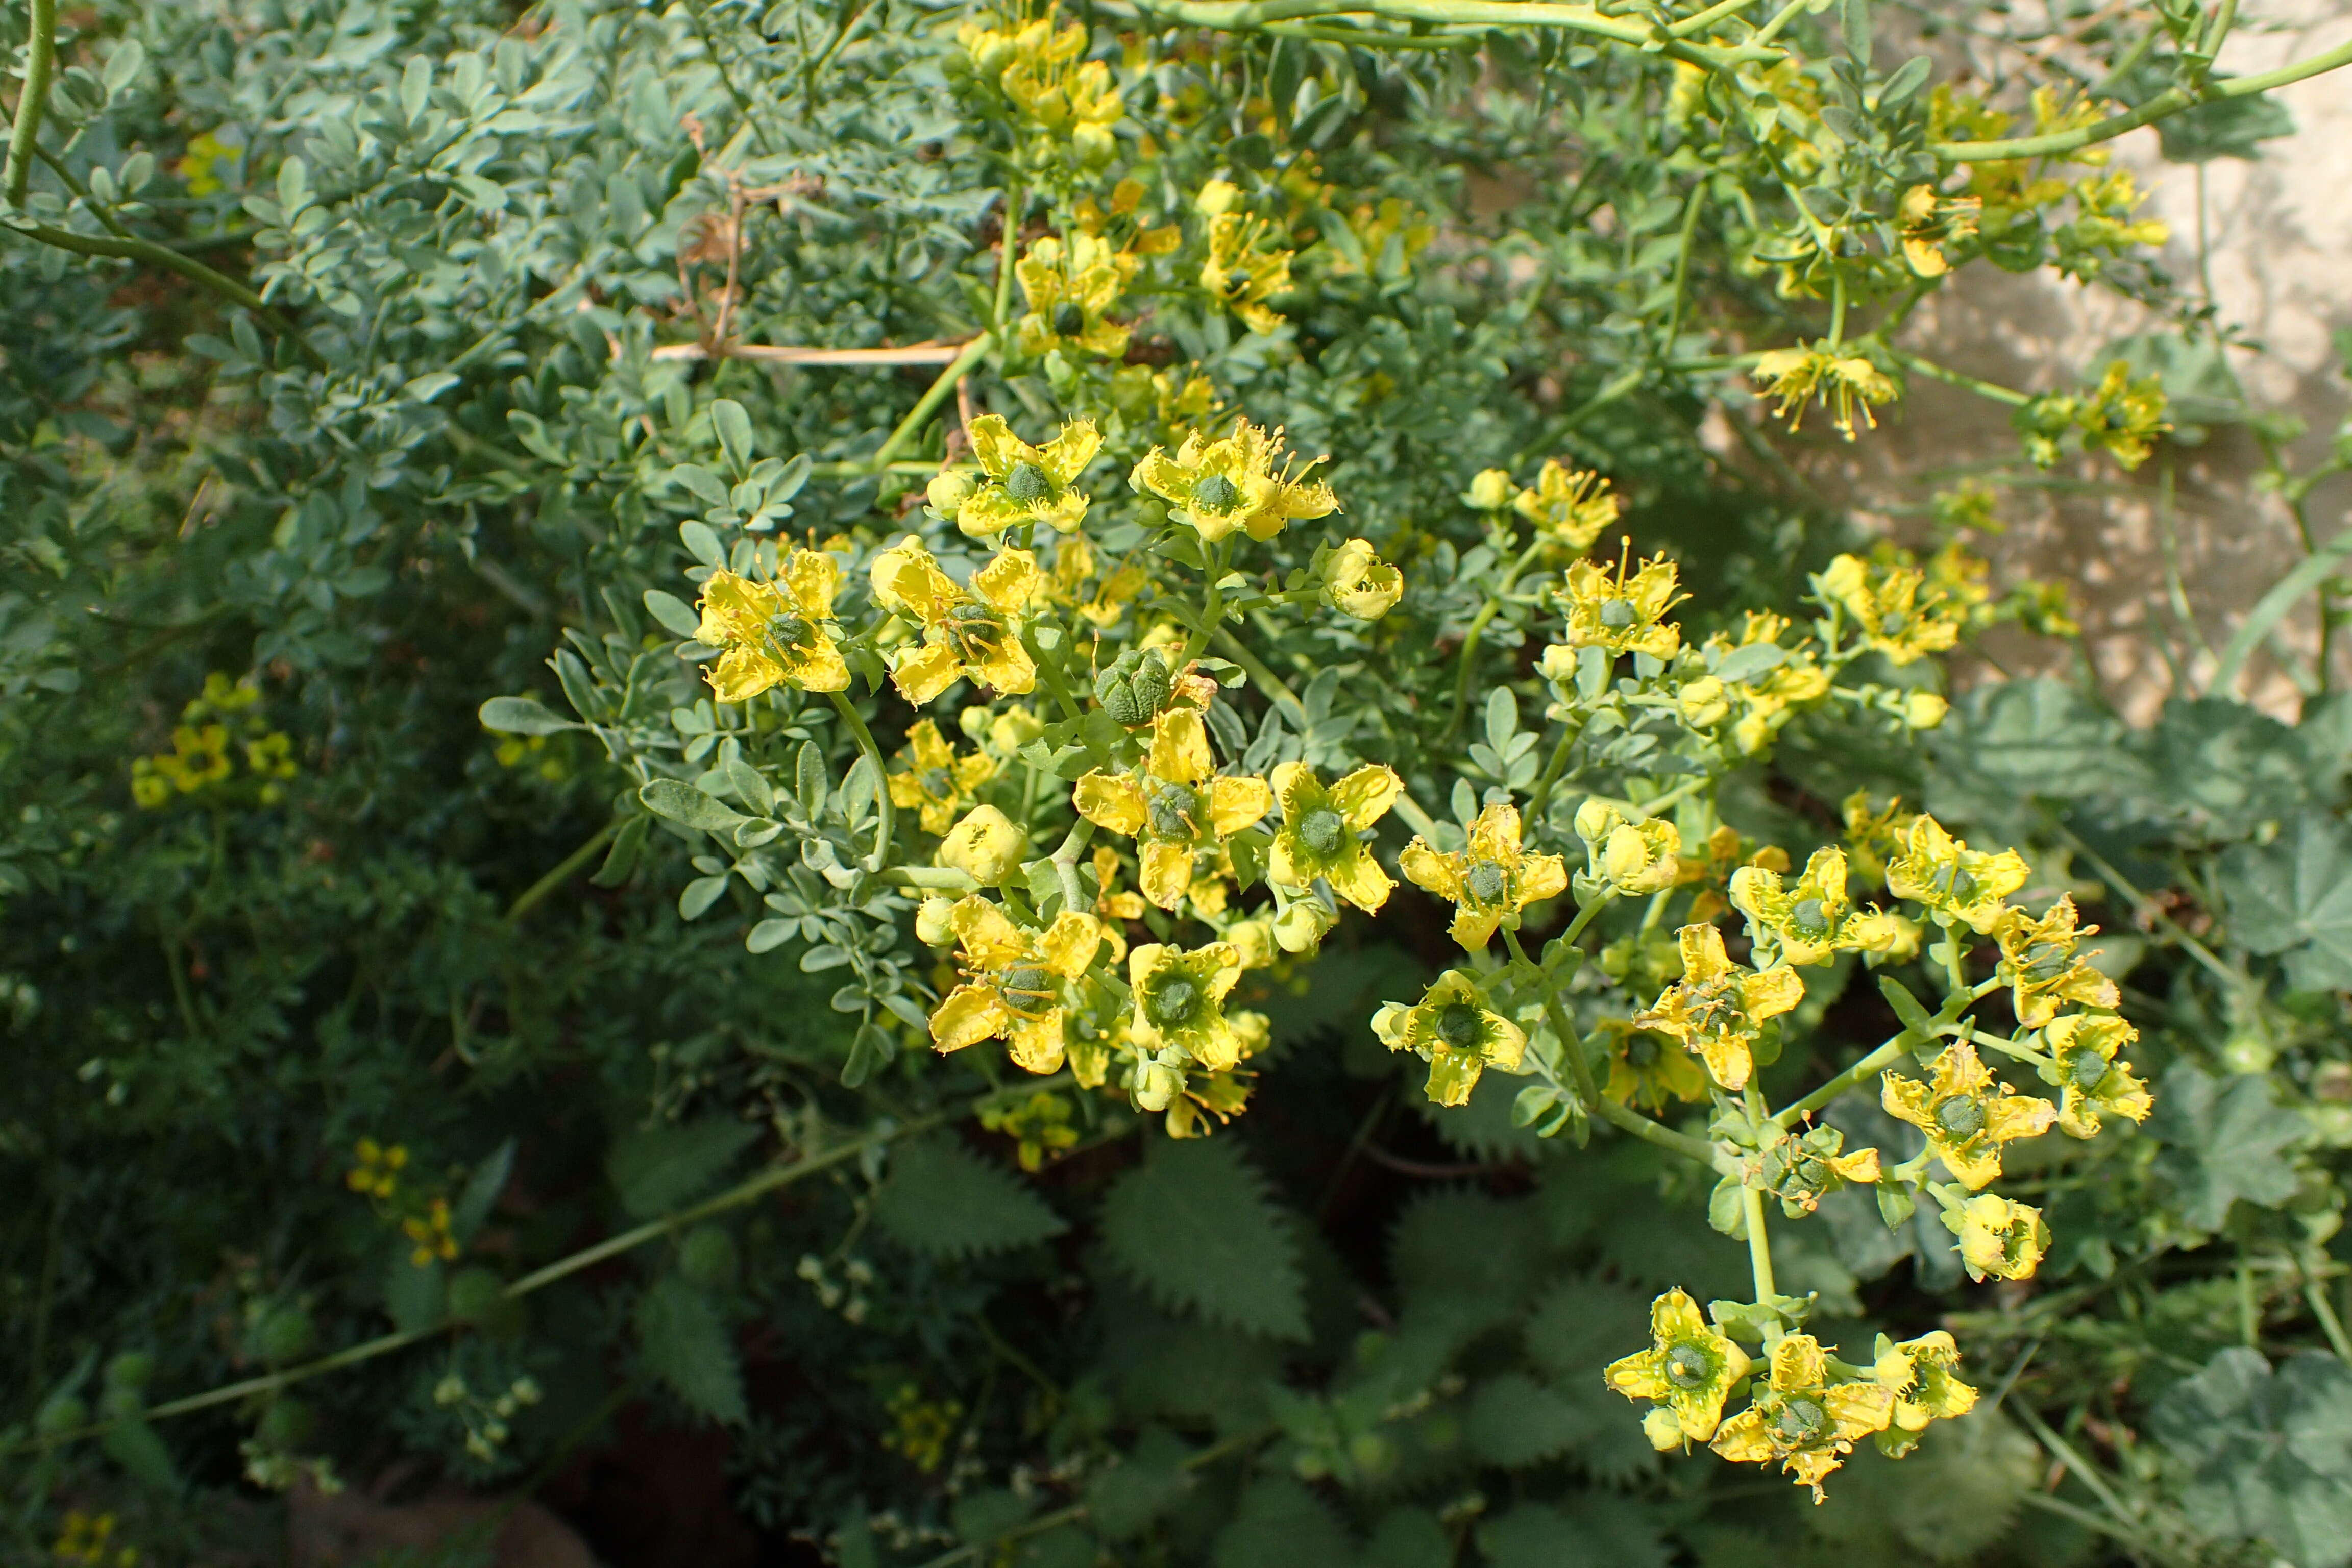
pixel 931 400
pixel 1542 792
pixel 2151 912
pixel 1837 306
pixel 1935 372
pixel 1271 683
pixel 564 872
pixel 1704 19
pixel 885 833
pixel 940 878
pixel 1469 656
pixel 1015 199
pixel 171 260
pixel 1759 1248
pixel 1238 16
pixel 1066 863
pixel 1781 18
pixel 1868 1067
pixel 2065 1453
pixel 1682 264
pixel 33 100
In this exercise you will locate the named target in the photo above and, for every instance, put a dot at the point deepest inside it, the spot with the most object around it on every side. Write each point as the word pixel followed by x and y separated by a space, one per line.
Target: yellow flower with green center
pixel 1622 614
pixel 1645 1071
pixel 1027 484
pixel 1319 826
pixel 1883 600
pixel 1689 1369
pixel 1999 1238
pixel 1802 1170
pixel 1966 1123
pixel 1016 985
pixel 2038 959
pixel 1806 921
pixel 1568 506
pixel 2083 1048
pixel 1803 1420
pixel 1175 806
pixel 1718 1008
pixel 1952 880
pixel 1489 883
pixel 2123 415
pixel 1357 582
pixel 965 635
pixel 1069 283
pixel 1247 266
pixel 935 779
pixel 1456 1032
pixel 1180 1004
pixel 774 633
pixel 1924 1377
pixel 1213 487
pixel 1847 384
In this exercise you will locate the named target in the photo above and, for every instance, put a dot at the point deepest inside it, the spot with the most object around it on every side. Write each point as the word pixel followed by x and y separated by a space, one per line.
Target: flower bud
pixel 1300 927
pixel 1641 859
pixel 984 845
pixel 1094 144
pixel 1662 1428
pixel 1703 702
pixel 1253 941
pixel 1491 491
pixel 1359 583
pixel 946 492
pixel 1925 709
pixel 1156 1083
pixel 1014 729
pixel 932 928
pixel 1595 819
pixel 1215 197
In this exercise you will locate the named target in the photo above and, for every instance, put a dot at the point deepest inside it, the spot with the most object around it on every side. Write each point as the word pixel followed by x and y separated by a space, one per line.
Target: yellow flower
pixel 1924 1374
pixel 1112 904
pixel 1221 1095
pixel 1767 701
pixel 1930 222
pixel 1173 806
pixel 1882 937
pixel 1491 880
pixel 2044 972
pixel 1568 506
pixel 1718 1008
pixel 1804 1170
pixel 1806 921
pixel 1647 1073
pixel 1319 828
pixel 1027 484
pixel 1490 489
pixel 1620 614
pixel 1039 1126
pixel 964 635
pixel 1215 487
pixel 1246 266
pixel 378 1173
pixel 1884 602
pixel 1456 1032
pixel 1998 1237
pixel 1965 1123
pixel 1634 857
pixel 935 778
pixel 985 845
pixel 1846 383
pixel 1949 878
pixel 1069 284
pixel 1689 1368
pixel 773 632
pixel 1803 1420
pixel 1874 834
pixel 2121 415
pixel 2091 1081
pixel 1016 981
pixel 1180 1003
pixel 1356 582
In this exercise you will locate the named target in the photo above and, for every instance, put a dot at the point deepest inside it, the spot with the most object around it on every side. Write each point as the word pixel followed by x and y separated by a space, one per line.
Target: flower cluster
pixel 219 730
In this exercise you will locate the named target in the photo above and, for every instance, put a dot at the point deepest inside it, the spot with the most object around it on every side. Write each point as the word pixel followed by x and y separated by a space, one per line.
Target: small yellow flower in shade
pixel 1027 484
pixel 1489 883
pixel 1174 807
pixel 1802 1170
pixel 1964 1121
pixel 1689 1369
pixel 1802 1419
pixel 1766 703
pixel 1247 266
pixel 1039 1126
pixel 1807 920
pixel 1319 828
pixel 2124 417
pixel 1217 198
pixel 1180 1003
pixel 773 632
pixel 1847 384
pixel 1205 1096
pixel 1953 880
pixel 1645 1071
pixel 1634 858
pixel 1216 486
pixel 1568 506
pixel 984 844
pixel 964 635
pixel 378 1172
pixel 429 1234
pixel 2091 1081
pixel 2038 959
pixel 1620 612
pixel 1924 1376
pixel 1929 222
pixel 1357 582
pixel 1881 936
pixel 935 779
pixel 1490 489
pixel 1456 1032
pixel 1016 983
pixel 1069 283
pixel 1884 602
pixel 1999 1238
pixel 1718 1008
pixel 1874 834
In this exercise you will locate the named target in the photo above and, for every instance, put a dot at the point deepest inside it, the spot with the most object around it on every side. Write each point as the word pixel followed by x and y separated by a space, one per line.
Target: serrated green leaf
pixel 2265 1456
pixel 1280 1524
pixel 685 1343
pixel 1194 1226
pixel 1579 1326
pixel 1468 1248
pixel 1948 1502
pixel 1514 1421
pixel 2225 1139
pixel 2294 896
pixel 656 1169
pixel 1125 1500
pixel 943 1200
